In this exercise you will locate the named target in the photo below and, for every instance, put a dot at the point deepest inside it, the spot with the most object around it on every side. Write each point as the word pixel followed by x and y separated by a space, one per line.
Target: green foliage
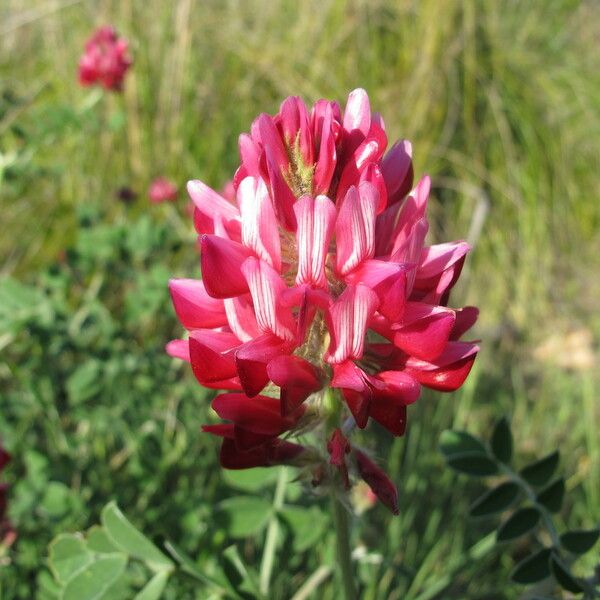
pixel 553 559
pixel 94 566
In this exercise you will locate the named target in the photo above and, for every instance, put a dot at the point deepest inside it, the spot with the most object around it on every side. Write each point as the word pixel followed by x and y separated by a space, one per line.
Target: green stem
pixel 268 557
pixel 342 531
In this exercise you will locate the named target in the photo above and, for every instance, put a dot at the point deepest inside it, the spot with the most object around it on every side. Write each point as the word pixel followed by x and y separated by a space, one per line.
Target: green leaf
pixel 502 441
pixel 85 381
pixel 495 500
pixel 250 480
pixel 579 541
pixel 307 525
pixel 563 576
pixel 474 464
pixel 533 569
pixel 67 555
pixel 124 535
pixel 459 442
pixel 246 515
pixel 56 499
pixel 552 496
pixel 154 588
pixel 98 541
pixel 94 581
pixel 539 472
pixel 518 524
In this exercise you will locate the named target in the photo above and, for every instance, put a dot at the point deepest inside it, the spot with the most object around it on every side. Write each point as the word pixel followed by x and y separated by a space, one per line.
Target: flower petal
pixel 209 203
pixel 315 219
pixel 448 371
pixel 259 224
pixel 259 414
pixel 357 114
pixel 252 358
pixel 211 354
pixel 194 307
pixel 277 452
pixel 378 481
pixel 221 260
pixel 296 377
pixel 266 287
pixel 327 160
pixel 178 349
pixel 424 330
pixel 355 227
pixel 241 318
pixel 398 171
pixel 347 320
pixel 465 319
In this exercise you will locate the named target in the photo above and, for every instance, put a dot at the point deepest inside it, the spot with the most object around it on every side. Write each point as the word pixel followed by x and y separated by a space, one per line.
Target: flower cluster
pixel 105 60
pixel 319 301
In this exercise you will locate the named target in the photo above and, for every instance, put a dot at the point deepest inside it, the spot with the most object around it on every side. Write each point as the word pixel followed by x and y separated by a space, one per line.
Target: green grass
pixel 502 103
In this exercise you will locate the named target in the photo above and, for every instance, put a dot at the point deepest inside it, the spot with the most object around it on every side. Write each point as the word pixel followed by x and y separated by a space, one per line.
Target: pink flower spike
pixel 378 481
pixel 355 227
pixel 259 224
pixel 296 377
pixel 194 307
pixel 349 316
pixel 315 219
pixel 266 287
pixel 221 260
pixel 105 61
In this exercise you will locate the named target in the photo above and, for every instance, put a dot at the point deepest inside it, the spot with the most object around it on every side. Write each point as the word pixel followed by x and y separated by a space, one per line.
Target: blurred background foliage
pixel 501 100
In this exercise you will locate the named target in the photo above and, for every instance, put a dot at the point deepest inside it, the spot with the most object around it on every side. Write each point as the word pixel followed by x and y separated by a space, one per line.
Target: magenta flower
pixel 317 277
pixel 105 60
pixel 162 190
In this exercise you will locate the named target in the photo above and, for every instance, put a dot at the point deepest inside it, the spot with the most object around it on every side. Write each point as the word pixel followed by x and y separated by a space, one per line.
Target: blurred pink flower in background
pixel 7 532
pixel 105 60
pixel 162 190
pixel 316 275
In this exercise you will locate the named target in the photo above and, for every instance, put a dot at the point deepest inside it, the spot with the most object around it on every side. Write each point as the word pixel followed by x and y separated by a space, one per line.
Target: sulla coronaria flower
pixel 105 60
pixel 317 283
